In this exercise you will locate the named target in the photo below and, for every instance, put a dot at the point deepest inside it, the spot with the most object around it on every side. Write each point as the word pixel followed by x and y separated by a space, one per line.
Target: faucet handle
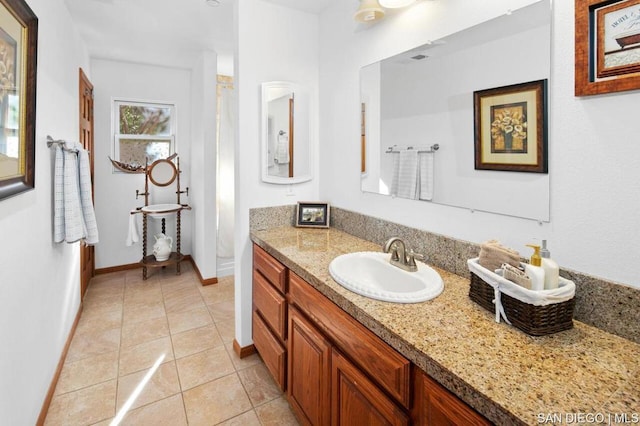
pixel 412 256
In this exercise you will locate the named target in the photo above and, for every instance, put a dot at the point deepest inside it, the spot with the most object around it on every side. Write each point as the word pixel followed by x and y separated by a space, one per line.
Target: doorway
pixel 87 252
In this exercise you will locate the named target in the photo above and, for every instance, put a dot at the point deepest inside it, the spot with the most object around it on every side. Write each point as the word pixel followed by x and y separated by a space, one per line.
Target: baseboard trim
pixel 203 281
pixel 118 268
pixel 56 376
pixel 243 352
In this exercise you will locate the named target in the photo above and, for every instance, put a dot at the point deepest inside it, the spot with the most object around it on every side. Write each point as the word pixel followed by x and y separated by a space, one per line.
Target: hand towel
pixel 58 196
pixel 74 228
pixel 132 236
pixel 425 171
pixel 86 198
pixel 73 216
pixel 407 173
pixel 493 255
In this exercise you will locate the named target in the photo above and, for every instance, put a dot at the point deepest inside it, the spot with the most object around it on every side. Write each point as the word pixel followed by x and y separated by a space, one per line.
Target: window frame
pixel 116 136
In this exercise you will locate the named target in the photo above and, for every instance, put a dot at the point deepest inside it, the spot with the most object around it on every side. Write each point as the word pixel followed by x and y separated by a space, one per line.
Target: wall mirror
pixel 286 150
pixel 424 97
pixel 162 172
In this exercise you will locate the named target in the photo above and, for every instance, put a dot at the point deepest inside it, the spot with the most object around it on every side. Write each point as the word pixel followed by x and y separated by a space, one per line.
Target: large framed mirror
pixel 425 97
pixel 286 148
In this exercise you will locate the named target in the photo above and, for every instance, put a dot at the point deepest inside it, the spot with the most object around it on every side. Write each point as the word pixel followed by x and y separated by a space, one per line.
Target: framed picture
pixel 314 215
pixel 607 46
pixel 18 50
pixel 511 128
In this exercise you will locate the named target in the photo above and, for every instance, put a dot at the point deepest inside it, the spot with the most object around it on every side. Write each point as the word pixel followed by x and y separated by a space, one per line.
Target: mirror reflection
pixel 423 98
pixel 285 133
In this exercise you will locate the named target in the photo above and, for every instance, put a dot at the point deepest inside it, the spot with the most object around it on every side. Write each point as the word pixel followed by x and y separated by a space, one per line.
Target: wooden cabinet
pixel 436 406
pixel 269 317
pixel 340 372
pixel 336 371
pixel 357 400
pixel 309 384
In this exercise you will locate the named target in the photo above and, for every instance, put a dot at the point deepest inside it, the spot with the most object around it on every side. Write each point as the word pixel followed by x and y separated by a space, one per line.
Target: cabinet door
pixel 439 407
pixel 356 400
pixel 309 371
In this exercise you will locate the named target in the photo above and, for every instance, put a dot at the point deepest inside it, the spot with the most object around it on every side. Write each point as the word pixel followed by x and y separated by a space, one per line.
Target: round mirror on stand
pixel 162 172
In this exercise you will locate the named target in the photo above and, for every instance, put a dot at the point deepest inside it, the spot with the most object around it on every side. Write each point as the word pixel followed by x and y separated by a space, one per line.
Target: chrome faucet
pixel 399 255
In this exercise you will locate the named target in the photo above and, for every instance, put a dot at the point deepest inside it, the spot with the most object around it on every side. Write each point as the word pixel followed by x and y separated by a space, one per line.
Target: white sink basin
pixel 160 211
pixel 370 274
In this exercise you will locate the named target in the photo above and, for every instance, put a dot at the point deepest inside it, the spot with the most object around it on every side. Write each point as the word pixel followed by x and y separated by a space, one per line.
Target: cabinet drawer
pixel 271 305
pixel 437 406
pixel 271 351
pixel 390 369
pixel 273 270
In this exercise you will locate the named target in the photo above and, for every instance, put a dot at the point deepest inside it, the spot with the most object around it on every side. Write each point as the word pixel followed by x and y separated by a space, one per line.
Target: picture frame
pixel 607 46
pixel 18 58
pixel 510 128
pixel 312 215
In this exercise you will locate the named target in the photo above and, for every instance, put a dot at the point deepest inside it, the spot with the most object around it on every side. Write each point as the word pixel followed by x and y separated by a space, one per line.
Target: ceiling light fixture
pixel 394 4
pixel 369 11
pixel 213 3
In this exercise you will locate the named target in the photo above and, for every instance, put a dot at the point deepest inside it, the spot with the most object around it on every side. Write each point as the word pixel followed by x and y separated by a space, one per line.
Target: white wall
pixel 40 280
pixel 273 43
pixel 203 160
pixel 115 193
pixel 594 160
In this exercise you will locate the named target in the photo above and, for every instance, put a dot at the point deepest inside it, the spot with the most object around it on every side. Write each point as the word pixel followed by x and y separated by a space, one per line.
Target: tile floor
pixel 172 339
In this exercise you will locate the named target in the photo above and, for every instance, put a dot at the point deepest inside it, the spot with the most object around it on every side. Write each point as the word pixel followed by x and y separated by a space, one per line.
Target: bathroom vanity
pixel 341 356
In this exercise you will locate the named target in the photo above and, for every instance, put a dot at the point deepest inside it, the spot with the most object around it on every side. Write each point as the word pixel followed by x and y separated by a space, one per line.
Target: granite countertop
pixel 578 376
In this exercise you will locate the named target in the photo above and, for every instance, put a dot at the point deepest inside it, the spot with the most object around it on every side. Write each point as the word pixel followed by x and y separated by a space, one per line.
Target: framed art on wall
pixel 607 46
pixel 511 128
pixel 18 50
pixel 312 215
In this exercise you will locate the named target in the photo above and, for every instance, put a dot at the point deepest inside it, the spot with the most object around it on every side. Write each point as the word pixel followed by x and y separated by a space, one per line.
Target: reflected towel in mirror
pixel 425 171
pixel 282 148
pixel 405 175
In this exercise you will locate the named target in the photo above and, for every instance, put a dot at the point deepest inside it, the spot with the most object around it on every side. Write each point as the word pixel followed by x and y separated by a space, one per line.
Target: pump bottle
pixel 551 268
pixel 534 269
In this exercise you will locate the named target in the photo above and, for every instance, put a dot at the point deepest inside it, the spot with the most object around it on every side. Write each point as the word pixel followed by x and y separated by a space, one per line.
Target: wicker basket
pixel 533 320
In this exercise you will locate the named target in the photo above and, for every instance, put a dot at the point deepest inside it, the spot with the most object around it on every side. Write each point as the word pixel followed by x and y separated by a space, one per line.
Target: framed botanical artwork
pixel 511 128
pixel 18 50
pixel 607 46
pixel 312 215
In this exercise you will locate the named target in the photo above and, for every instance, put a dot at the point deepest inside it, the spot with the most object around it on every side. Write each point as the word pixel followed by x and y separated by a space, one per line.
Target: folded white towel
pixel 425 171
pixel 405 176
pixel 133 235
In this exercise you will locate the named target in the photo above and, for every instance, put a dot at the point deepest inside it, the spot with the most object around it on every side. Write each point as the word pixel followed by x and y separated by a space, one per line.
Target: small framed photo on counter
pixel 312 215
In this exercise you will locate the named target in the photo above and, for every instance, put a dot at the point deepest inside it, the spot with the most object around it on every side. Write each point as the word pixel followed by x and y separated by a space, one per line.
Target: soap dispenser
pixel 551 268
pixel 534 269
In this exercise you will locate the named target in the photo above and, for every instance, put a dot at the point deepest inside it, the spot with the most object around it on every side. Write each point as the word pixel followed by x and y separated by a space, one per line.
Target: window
pixel 143 131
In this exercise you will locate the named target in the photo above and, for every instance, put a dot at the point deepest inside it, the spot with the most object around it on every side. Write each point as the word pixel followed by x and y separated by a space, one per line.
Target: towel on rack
pixel 132 236
pixel 425 171
pixel 282 149
pixel 74 217
pixel 405 175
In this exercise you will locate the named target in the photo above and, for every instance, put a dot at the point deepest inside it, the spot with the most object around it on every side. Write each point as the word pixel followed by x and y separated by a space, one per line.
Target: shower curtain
pixel 226 109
